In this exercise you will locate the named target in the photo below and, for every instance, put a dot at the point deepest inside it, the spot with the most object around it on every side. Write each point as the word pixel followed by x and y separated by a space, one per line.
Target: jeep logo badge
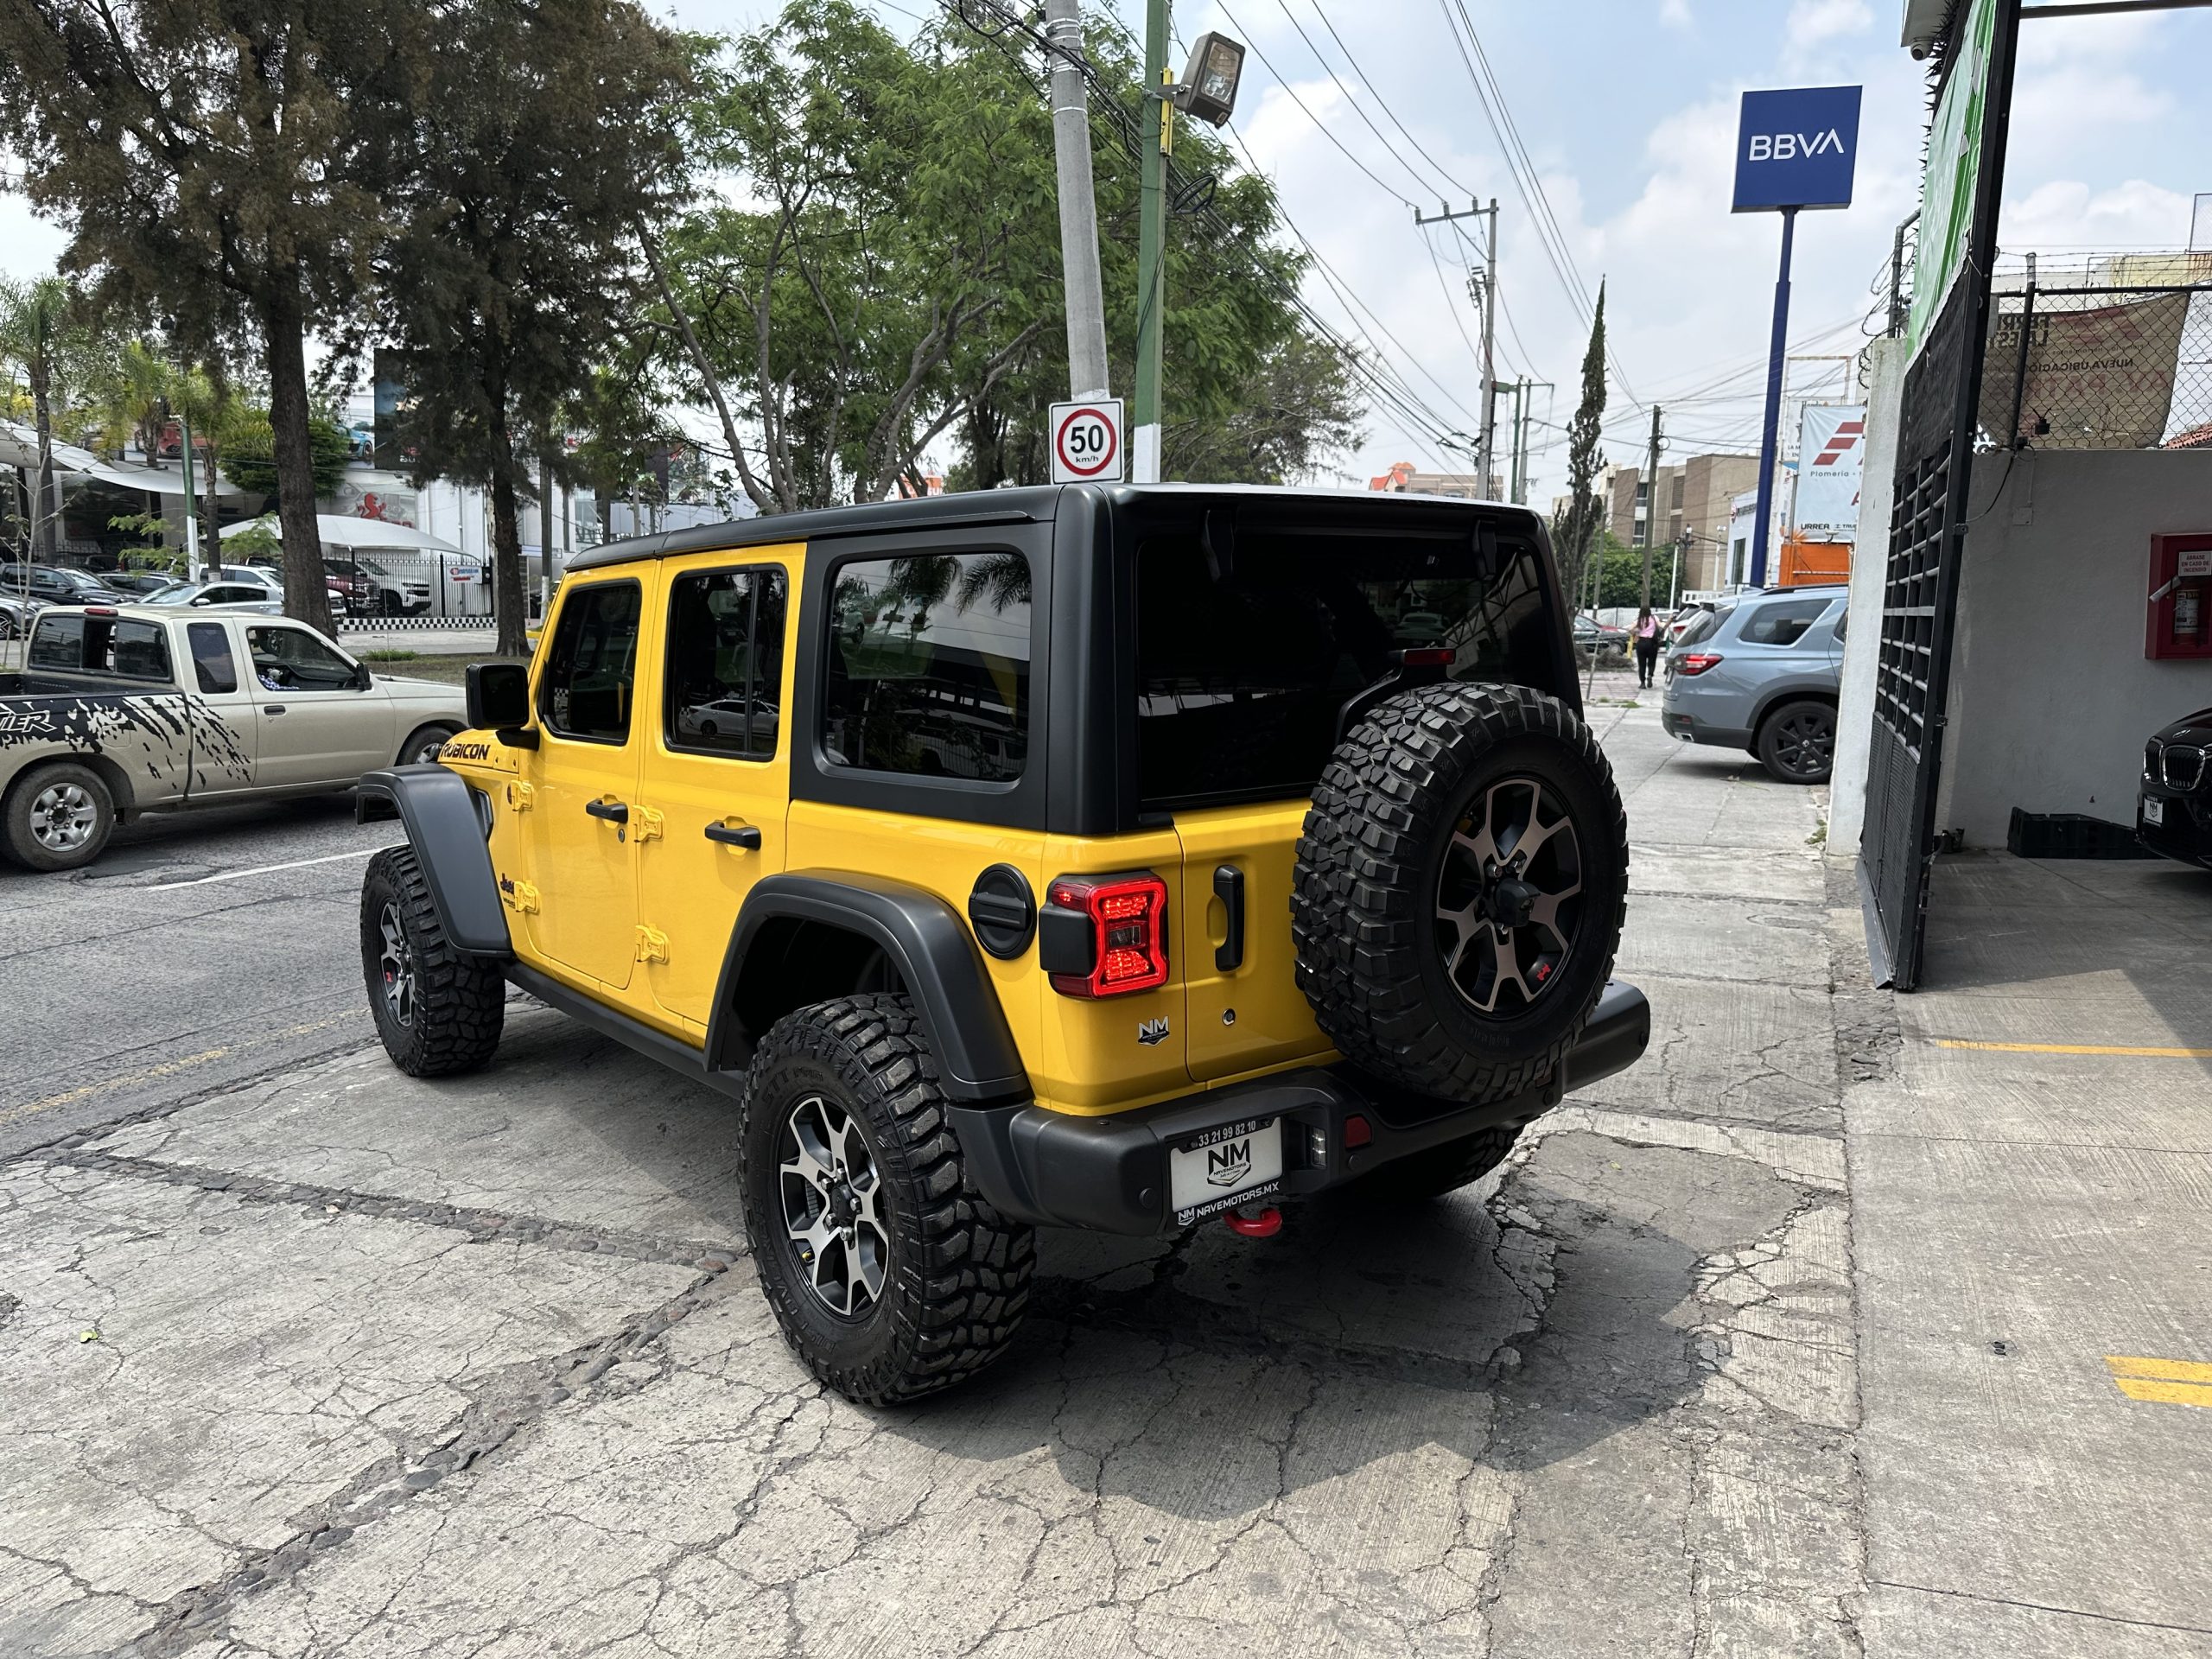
pixel 1229 1164
pixel 1153 1032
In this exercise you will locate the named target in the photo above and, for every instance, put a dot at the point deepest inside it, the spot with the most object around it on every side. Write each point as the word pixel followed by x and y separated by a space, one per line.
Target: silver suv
pixel 1762 674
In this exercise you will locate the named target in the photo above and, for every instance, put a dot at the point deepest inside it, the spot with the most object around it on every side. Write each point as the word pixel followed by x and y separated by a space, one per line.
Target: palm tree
pixel 136 401
pixel 34 322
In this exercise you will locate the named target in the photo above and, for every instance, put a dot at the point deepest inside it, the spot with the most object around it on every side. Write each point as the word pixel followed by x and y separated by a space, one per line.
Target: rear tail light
pixel 1693 663
pixel 1105 935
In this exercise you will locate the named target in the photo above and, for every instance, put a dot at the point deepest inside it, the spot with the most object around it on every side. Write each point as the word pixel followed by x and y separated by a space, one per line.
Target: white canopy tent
pixel 335 531
pixel 19 447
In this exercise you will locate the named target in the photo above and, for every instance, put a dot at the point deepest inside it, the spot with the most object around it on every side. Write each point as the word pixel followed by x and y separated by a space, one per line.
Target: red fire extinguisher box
pixel 2179 621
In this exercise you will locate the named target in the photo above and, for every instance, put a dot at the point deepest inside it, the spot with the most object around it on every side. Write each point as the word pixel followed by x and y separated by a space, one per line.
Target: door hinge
pixel 517 895
pixel 653 944
pixel 520 796
pixel 645 823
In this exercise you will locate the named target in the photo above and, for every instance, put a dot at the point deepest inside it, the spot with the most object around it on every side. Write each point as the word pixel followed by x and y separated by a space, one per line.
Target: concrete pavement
pixel 334 1362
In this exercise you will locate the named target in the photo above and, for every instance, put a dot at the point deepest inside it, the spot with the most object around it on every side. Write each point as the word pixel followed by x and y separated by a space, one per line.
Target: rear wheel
pixel 58 817
pixel 438 1012
pixel 1796 742
pixel 1459 889
pixel 890 1276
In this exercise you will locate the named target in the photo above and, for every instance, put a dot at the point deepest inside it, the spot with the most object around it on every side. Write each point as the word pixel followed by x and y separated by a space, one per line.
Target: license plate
pixel 1213 1172
pixel 2154 809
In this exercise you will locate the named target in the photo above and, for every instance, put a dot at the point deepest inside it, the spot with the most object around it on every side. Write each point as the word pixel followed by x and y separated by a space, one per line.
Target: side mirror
pixel 364 680
pixel 498 695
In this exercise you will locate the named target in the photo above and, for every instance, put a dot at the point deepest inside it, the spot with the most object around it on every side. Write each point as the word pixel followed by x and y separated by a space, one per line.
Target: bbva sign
pixel 1797 148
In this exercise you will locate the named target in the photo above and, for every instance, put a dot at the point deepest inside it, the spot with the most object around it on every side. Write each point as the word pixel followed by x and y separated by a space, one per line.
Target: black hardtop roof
pixel 1031 504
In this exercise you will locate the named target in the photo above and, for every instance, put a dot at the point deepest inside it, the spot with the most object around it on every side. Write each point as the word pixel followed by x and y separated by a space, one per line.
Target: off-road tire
pixel 82 785
pixel 958 1272
pixel 458 1002
pixel 1364 893
pixel 1790 745
pixel 1440 1169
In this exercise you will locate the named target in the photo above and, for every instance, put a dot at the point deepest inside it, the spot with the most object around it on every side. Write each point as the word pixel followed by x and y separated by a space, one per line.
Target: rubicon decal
pixel 465 751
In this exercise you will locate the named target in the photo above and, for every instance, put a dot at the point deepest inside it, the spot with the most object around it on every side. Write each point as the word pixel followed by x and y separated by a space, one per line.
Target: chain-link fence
pixel 2114 352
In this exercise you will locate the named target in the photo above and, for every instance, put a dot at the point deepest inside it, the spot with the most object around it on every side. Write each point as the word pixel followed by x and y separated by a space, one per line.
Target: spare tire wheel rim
pixel 832 1195
pixel 1506 918
pixel 62 817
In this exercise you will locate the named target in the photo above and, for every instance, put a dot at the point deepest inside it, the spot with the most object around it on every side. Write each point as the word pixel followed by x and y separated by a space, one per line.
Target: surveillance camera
pixel 1919 53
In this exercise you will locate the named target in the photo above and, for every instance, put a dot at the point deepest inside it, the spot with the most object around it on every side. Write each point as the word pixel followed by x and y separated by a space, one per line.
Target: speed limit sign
pixel 1087 441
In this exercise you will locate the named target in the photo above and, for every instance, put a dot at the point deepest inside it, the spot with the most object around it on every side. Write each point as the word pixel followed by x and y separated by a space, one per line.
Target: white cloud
pixel 1675 14
pixel 2066 213
pixel 1816 29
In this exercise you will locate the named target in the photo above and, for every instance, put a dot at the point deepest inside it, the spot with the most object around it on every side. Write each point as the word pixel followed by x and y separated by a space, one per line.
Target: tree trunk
pixel 306 597
pixel 506 542
pixel 46 509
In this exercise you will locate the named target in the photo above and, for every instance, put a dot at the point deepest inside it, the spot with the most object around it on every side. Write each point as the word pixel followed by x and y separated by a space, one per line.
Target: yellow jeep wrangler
pixel 1099 857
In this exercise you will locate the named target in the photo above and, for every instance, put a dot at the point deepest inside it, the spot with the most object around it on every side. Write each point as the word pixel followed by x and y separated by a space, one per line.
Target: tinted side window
pixel 1240 676
pixel 292 659
pixel 726 662
pixel 929 666
pixel 1782 622
pixel 58 642
pixel 124 647
pixel 592 664
pixel 211 659
pixel 1703 626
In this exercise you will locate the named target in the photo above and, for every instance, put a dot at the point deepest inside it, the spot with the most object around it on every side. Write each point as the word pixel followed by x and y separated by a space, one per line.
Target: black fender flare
pixel 447 833
pixel 922 938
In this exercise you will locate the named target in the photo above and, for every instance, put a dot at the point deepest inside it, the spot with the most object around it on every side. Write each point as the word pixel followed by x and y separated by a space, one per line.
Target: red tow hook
pixel 1266 1225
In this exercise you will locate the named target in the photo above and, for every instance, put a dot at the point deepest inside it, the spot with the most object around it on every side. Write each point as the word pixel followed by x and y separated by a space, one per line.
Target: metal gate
pixel 1937 425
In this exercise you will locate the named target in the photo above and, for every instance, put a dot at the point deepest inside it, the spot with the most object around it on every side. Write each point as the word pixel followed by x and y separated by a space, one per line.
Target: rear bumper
pixel 1691 729
pixel 1109 1174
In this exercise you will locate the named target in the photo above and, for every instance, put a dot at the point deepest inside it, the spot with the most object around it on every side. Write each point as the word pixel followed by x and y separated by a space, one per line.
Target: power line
pixel 1290 93
pixel 1368 81
pixel 1388 148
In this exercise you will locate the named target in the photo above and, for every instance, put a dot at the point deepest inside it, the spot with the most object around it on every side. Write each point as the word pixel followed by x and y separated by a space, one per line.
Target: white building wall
pixel 2051 697
pixel 1870 556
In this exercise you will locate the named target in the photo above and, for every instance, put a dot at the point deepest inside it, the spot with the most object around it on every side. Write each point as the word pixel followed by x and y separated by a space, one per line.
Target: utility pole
pixel 1155 129
pixel 1651 505
pixel 1086 299
pixel 1524 418
pixel 1483 289
pixel 191 502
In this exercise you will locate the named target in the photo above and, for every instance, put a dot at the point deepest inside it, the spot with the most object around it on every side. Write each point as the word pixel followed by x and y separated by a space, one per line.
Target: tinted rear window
pixel 1240 674
pixel 122 646
pixel 1701 627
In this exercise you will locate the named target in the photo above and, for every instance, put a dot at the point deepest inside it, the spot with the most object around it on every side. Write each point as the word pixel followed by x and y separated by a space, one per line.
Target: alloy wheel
pixel 428 749
pixel 1804 743
pixel 63 816
pixel 833 1206
pixel 1506 898
pixel 397 961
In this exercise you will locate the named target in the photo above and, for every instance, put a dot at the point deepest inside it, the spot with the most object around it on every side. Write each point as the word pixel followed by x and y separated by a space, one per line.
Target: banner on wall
pixel 1830 462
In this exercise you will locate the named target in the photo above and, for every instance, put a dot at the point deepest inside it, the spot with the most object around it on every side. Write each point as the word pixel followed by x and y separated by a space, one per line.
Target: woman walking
pixel 1646 635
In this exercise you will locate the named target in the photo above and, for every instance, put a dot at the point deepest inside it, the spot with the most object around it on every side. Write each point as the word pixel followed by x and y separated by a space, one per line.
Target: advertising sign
pixel 2101 379
pixel 1797 148
pixel 391 400
pixel 1086 441
pixel 1954 163
pixel 1831 460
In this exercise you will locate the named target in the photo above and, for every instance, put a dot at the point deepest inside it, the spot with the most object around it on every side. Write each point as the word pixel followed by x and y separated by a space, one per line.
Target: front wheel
pixel 439 1012
pixel 424 745
pixel 58 817
pixel 1796 743
pixel 890 1276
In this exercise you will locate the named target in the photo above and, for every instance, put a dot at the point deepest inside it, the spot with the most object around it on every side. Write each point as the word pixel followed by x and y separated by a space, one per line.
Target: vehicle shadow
pixel 1508 1327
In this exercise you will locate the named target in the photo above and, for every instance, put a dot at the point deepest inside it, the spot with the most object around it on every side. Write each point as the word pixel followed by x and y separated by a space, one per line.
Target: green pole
pixel 1152 246
pixel 191 503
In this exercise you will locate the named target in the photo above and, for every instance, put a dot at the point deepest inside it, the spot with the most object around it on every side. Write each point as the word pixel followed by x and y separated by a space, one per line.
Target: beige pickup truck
pixel 125 709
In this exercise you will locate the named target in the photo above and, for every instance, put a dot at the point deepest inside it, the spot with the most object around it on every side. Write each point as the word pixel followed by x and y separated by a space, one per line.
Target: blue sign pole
pixel 1778 355
pixel 1795 149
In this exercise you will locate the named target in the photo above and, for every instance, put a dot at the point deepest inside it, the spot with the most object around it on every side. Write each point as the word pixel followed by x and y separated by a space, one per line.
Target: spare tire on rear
pixel 1459 889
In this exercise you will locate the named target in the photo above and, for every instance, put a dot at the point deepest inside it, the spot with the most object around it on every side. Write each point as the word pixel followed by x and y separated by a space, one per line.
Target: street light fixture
pixel 1208 89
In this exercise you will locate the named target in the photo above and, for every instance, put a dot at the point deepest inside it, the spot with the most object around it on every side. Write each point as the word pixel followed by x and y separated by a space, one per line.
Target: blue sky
pixel 1628 109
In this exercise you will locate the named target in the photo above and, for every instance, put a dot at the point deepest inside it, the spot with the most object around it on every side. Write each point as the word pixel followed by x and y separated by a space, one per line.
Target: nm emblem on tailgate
pixel 1152 1032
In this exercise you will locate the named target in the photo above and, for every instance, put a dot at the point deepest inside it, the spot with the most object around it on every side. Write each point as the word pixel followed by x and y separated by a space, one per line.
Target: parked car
pixel 954 1002
pixel 119 711
pixel 372 589
pixel 253 575
pixel 1763 674
pixel 58 584
pixel 228 596
pixel 2173 812
pixel 16 613
pixel 1679 623
pixel 1590 634
pixel 141 585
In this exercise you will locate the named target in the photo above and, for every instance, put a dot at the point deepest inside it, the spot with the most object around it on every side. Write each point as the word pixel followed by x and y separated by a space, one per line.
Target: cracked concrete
pixel 381 1367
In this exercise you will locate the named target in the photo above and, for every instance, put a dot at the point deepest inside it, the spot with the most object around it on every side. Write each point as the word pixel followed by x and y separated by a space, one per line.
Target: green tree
pixel 223 164
pixel 41 336
pixel 1575 531
pixel 249 448
pixel 545 134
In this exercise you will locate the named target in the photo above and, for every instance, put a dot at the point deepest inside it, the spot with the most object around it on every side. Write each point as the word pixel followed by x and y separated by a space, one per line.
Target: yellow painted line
pixel 2167 1371
pixel 2166 1393
pixel 2078 1048
pixel 167 1068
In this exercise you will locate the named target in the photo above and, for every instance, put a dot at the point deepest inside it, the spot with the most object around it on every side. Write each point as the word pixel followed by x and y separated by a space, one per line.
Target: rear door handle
pixel 735 835
pixel 613 811
pixel 1229 887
